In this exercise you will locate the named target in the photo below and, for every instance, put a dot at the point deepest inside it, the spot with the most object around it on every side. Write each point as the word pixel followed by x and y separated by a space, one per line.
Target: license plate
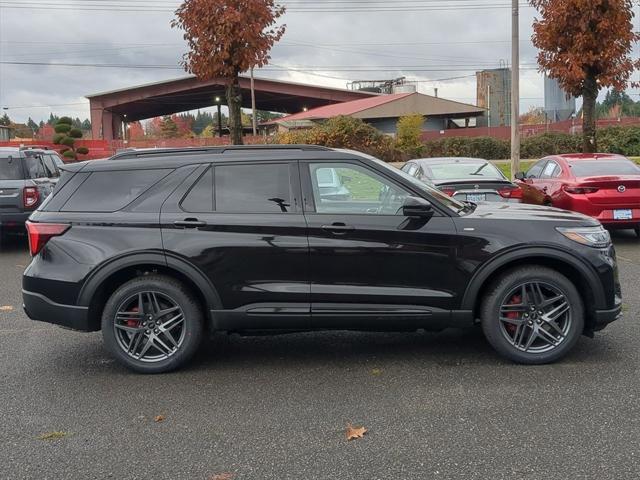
pixel 476 197
pixel 623 214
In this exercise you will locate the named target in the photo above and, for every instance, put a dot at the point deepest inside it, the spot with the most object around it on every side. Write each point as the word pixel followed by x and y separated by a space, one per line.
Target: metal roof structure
pixel 110 109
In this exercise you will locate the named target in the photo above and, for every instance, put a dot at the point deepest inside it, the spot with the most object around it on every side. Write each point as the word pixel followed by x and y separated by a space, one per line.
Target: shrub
pixel 67 120
pixel 539 146
pixel 70 154
pixel 481 147
pixel 621 140
pixel 62 128
pixel 75 133
pixel 57 138
pixel 345 132
pixel 409 129
pixel 68 141
pixel 82 150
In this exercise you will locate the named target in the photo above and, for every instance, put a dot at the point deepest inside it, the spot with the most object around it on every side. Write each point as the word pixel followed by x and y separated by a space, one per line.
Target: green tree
pixel 168 128
pixel 409 131
pixel 5 121
pixel 66 135
pixel 33 125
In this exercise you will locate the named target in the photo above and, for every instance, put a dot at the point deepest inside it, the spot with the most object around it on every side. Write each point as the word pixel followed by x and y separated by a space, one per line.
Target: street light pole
pixel 254 120
pixel 219 118
pixel 515 88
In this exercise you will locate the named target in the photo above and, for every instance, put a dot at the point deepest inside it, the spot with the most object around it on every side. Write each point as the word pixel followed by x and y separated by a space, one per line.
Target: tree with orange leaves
pixel 226 38
pixel 586 45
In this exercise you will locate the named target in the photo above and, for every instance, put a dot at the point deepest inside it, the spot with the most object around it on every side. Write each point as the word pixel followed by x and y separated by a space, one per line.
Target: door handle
pixel 189 223
pixel 338 228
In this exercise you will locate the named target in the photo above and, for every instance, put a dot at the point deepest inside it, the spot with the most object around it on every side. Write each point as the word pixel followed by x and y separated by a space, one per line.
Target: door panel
pixel 376 269
pixel 257 261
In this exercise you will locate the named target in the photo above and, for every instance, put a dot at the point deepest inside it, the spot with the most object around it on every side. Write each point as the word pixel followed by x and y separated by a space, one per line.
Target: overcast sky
pixel 424 40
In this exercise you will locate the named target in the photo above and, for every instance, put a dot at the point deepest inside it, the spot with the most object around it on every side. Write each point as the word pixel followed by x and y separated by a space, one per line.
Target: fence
pixel 504 133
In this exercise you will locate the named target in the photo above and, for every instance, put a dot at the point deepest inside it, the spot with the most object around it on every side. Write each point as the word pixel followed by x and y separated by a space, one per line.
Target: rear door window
pixel 111 191
pixel 551 170
pixel 253 188
pixel 11 168
pixel 35 167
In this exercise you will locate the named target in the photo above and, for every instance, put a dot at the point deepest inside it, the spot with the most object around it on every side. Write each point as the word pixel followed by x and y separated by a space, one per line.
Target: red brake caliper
pixel 132 322
pixel 511 328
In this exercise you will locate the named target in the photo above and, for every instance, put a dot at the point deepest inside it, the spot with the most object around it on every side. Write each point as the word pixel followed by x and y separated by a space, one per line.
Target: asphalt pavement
pixel 436 406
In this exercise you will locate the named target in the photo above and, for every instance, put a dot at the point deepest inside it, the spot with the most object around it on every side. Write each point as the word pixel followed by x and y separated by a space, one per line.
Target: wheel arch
pixel 580 274
pixel 108 277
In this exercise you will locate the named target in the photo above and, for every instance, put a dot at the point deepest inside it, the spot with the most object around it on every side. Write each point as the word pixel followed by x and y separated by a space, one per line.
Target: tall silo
pixel 494 94
pixel 557 104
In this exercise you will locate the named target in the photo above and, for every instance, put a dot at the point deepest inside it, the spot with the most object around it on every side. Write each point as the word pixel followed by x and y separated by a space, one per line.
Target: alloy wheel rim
pixel 535 317
pixel 149 326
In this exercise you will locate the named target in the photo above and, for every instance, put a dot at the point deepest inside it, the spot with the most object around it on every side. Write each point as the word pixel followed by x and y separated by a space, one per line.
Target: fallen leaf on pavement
pixel 355 432
pixel 159 418
pixel 6 308
pixel 52 435
pixel 222 476
pixel 376 371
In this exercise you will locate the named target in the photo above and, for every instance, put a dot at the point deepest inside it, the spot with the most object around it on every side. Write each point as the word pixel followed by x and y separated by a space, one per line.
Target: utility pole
pixel 254 120
pixel 219 117
pixel 515 88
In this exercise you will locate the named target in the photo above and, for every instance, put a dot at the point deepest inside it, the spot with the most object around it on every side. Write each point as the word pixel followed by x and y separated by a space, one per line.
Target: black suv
pixel 157 248
pixel 27 176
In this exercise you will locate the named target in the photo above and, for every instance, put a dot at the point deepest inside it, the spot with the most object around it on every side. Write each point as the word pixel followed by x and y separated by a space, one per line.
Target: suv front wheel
pixel 152 324
pixel 532 315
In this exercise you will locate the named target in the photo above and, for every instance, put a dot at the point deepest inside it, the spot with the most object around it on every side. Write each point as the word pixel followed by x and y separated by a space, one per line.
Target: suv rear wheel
pixel 152 324
pixel 532 315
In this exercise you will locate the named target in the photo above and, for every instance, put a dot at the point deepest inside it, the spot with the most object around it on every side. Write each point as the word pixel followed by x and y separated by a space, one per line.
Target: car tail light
pixel 511 192
pixel 30 197
pixel 448 190
pixel 579 190
pixel 41 233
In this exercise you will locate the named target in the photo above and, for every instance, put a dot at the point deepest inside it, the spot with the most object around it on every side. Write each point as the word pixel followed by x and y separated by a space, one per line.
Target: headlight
pixel 596 237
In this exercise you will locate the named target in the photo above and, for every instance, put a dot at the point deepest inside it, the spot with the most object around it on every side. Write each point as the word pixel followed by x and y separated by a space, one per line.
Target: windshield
pixel 592 168
pixel 10 168
pixel 442 198
pixel 452 171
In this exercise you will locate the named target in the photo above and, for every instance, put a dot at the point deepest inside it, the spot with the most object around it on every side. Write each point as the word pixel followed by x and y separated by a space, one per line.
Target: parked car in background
pixel 465 179
pixel 27 177
pixel 603 186
pixel 172 245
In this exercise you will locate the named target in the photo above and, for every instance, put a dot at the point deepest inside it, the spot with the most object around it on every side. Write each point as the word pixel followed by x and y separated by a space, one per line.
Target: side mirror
pixel 417 207
pixel 520 176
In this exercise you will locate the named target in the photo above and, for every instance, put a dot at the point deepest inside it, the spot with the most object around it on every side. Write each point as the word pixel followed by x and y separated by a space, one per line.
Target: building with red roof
pixel 383 112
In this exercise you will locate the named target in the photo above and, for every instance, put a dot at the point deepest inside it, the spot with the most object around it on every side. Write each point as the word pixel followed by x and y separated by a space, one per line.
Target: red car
pixel 603 186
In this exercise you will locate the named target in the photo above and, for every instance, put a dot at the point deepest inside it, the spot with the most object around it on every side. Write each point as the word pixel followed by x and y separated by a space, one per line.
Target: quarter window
pixel 113 190
pixel 253 188
pixel 352 189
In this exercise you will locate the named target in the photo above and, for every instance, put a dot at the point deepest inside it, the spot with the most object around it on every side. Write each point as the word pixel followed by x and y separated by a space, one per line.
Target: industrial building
pixel 494 95
pixel 384 111
pixel 558 105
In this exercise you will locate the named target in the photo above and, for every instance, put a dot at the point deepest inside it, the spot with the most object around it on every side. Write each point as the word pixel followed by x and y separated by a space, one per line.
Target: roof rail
pixel 133 152
pixel 34 147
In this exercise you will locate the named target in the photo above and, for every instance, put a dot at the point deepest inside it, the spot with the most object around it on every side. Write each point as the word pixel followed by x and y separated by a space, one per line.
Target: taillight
pixel 448 190
pixel 30 197
pixel 41 233
pixel 579 190
pixel 511 192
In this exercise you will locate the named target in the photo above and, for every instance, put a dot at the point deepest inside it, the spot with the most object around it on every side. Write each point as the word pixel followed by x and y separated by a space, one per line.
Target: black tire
pixel 637 230
pixel 191 326
pixel 496 331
